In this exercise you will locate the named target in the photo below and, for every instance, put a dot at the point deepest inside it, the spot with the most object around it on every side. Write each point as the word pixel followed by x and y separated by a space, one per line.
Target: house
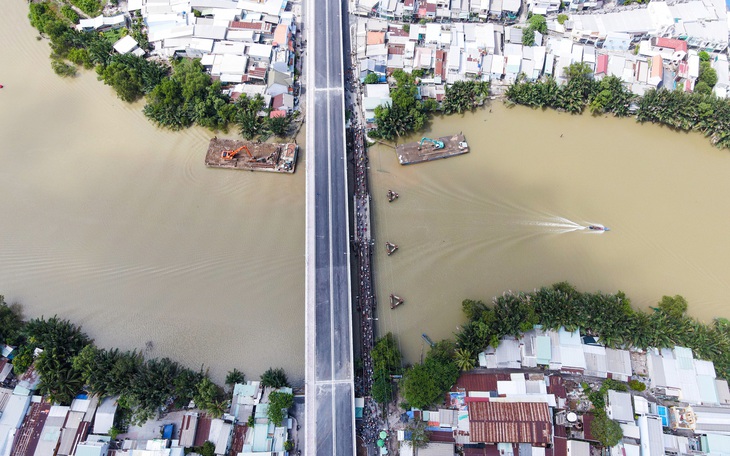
pixel 93 448
pixel 510 422
pixel 102 23
pixel 619 406
pixel 652 440
pixel 283 102
pixel 104 418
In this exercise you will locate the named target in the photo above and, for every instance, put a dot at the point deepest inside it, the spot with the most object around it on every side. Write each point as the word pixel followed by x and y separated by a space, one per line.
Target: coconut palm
pixel 464 359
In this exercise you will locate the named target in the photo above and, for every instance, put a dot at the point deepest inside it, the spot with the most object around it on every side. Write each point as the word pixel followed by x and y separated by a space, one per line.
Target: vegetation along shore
pixel 607 316
pixel 179 94
pixel 69 363
pixel 696 111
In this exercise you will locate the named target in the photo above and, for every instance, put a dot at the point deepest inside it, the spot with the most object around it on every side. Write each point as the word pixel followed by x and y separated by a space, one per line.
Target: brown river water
pixel 508 216
pixel 117 225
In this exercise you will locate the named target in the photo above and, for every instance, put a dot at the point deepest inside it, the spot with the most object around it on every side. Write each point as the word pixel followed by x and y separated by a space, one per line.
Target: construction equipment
pixel 231 154
pixel 436 143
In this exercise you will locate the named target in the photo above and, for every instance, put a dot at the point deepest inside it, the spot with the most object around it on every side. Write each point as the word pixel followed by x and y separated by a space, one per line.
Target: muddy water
pixel 509 216
pixel 117 225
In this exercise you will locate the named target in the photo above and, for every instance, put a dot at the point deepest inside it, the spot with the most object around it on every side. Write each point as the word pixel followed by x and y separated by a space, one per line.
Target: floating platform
pixel 395 301
pixel 270 157
pixel 392 196
pixel 410 153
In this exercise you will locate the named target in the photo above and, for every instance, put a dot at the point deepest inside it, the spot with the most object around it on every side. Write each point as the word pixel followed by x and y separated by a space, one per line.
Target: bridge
pixel 330 396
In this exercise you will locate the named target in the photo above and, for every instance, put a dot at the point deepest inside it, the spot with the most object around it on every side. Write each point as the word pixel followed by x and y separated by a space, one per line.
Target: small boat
pixel 395 301
pixel 392 196
pixel 427 339
pixel 390 248
pixel 1 86
pixel 599 228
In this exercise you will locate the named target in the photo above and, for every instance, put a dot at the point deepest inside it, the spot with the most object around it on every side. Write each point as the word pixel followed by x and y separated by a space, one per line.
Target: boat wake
pixel 564 225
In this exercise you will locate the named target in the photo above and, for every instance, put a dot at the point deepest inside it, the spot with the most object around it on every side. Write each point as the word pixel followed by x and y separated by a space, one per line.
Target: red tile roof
pixel 398 49
pixel 587 424
pixel 515 422
pixel 441 436
pixel 255 26
pixel 203 431
pixel 479 382
pixel 677 45
pixel 277 113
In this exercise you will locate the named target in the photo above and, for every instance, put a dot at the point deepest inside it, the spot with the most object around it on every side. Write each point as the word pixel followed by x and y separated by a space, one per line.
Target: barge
pixel 252 156
pixel 432 149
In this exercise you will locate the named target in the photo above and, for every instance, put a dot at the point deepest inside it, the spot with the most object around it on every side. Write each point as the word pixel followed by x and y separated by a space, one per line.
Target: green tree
pixel 419 387
pixel 382 389
pixel 708 75
pixel 538 23
pixel 279 405
pixel 607 431
pixel 279 126
pixel 274 378
pixel 371 78
pixel 208 396
pixel 673 306
pixel 247 115
pixel 11 322
pixel 464 359
pixel 562 18
pixel 528 36
pixel 70 14
pixel 386 355
pixel 704 56
pixel 235 376
pixel 702 88
pixel 419 434
pixel 208 449
pixel 63 69
pixel 90 7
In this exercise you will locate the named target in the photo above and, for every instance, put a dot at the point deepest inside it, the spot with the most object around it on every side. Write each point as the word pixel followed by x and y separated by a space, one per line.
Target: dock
pixel 410 153
pixel 252 156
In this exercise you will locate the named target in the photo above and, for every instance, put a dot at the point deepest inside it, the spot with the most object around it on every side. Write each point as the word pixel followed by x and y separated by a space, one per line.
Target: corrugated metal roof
pixel 527 422
pixel 723 391
pixel 619 406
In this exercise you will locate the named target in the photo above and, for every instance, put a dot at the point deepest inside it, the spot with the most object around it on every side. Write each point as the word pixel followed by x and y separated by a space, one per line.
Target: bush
pixel 371 78
pixel 90 7
pixel 70 14
pixel 637 385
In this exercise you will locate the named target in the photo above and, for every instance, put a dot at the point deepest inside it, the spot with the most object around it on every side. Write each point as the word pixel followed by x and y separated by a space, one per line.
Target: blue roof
pixel 662 412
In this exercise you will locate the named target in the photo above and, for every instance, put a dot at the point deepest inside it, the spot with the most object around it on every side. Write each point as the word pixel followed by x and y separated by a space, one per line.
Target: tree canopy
pixel 699 111
pixel 279 404
pixel 274 378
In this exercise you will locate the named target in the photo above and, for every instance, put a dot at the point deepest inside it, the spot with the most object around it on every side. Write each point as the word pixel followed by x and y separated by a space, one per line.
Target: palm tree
pixel 464 359
pixel 274 378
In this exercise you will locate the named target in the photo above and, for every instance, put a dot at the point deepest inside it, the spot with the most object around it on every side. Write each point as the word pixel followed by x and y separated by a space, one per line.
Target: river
pixel 505 216
pixel 117 225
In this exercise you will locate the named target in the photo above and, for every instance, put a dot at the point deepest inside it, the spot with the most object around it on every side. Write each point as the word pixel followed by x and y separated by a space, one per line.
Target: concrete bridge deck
pixel 330 421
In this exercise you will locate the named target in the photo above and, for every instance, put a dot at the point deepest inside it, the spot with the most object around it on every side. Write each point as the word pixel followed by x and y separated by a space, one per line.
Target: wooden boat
pixel 390 248
pixel 395 301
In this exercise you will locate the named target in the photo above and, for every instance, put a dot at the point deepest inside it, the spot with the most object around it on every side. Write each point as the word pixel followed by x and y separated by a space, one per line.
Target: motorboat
pixel 599 228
